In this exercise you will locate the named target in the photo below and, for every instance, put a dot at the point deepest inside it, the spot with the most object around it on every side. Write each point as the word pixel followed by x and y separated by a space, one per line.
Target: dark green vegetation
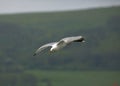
pixel 21 79
pixel 22 34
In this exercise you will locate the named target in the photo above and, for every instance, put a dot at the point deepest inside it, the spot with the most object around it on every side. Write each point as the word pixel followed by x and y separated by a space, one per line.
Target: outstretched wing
pixel 68 40
pixel 43 47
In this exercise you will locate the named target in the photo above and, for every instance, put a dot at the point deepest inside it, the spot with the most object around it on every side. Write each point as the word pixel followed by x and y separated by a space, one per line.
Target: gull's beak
pixel 50 52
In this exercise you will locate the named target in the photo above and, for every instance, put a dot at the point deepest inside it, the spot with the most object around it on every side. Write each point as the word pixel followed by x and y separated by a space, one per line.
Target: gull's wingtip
pixel 34 54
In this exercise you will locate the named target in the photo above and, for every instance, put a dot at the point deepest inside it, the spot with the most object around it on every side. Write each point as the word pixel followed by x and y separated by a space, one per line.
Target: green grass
pixel 77 78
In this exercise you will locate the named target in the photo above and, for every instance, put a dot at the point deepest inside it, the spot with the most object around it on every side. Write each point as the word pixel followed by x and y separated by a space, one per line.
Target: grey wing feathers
pixel 43 47
pixel 72 39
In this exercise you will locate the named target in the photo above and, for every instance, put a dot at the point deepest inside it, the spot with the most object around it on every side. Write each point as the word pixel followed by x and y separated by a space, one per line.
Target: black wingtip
pixel 34 54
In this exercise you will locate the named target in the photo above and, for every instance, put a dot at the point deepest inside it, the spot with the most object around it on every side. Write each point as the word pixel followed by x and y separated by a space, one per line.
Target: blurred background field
pixel 61 78
pixel 93 63
pixel 77 78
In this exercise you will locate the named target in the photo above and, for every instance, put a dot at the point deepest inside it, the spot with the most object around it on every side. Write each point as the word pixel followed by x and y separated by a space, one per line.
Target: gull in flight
pixel 55 46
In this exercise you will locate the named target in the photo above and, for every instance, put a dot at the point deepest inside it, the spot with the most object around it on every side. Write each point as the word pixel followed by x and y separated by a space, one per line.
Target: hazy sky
pixel 18 6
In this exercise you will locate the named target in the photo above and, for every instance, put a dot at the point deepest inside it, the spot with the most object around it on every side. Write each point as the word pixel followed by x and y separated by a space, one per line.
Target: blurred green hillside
pixel 22 34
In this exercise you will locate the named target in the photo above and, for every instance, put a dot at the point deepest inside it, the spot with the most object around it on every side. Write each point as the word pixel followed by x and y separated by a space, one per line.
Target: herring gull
pixel 55 46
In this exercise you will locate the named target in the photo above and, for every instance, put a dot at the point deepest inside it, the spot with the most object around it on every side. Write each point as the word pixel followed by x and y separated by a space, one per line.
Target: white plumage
pixel 60 44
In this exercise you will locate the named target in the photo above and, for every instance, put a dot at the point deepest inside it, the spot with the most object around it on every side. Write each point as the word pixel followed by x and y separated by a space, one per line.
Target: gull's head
pixel 52 50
